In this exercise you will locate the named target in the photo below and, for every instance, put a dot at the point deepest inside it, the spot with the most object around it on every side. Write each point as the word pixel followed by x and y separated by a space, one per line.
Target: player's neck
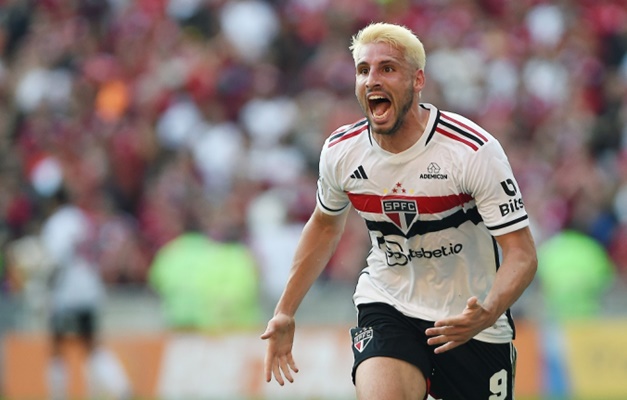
pixel 407 135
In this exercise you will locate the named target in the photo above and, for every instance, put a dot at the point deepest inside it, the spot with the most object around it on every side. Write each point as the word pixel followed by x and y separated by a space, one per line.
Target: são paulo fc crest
pixel 402 212
pixel 361 338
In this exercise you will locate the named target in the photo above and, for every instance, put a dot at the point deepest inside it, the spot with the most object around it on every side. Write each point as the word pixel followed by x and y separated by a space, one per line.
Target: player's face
pixel 384 86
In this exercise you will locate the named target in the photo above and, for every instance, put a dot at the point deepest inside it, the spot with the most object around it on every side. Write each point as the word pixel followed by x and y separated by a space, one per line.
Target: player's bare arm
pixel 315 248
pixel 513 277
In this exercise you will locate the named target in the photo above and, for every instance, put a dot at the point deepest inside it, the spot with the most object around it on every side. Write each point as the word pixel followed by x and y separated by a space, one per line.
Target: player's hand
pixel 278 360
pixel 457 330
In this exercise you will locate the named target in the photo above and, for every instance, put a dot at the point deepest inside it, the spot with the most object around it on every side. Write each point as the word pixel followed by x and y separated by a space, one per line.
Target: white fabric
pixel 424 270
pixel 78 286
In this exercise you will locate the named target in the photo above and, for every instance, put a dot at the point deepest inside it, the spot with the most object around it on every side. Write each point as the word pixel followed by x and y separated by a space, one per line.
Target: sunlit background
pixel 158 160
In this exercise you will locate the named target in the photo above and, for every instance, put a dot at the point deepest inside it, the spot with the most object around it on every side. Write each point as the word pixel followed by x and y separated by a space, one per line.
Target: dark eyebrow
pixel 389 61
pixel 382 63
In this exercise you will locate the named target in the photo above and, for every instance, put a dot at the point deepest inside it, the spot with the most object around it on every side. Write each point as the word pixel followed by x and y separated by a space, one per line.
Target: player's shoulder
pixel 460 132
pixel 346 134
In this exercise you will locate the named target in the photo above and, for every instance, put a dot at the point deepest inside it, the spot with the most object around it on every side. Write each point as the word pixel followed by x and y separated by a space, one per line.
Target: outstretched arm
pixel 315 248
pixel 514 275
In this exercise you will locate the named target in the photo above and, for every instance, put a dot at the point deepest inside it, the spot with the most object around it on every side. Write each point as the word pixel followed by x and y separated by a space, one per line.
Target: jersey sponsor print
pixel 432 212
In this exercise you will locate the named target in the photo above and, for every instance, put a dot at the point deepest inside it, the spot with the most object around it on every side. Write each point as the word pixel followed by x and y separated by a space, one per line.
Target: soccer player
pixel 440 200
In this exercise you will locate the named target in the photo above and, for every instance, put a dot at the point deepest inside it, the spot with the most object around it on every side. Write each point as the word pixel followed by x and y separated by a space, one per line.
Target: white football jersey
pixel 431 210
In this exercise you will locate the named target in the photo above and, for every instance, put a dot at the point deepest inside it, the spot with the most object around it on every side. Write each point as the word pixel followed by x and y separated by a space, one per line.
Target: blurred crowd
pixel 126 123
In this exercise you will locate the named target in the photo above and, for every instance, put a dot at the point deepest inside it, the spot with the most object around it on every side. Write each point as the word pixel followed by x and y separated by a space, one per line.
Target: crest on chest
pixel 402 212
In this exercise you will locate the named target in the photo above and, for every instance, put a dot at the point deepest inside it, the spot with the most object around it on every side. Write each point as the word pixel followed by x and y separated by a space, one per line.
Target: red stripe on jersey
pixel 454 137
pixel 426 204
pixel 348 135
pixel 451 119
pixel 346 128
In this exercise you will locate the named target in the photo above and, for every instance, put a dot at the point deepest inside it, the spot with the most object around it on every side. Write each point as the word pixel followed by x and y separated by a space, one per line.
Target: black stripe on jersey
pixel 435 124
pixel 510 319
pixel 497 262
pixel 463 132
pixel 517 220
pixel 327 208
pixel 422 227
pixel 347 130
pixel 497 259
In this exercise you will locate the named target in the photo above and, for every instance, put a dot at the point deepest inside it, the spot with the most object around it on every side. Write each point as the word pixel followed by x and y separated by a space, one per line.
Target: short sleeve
pixel 488 177
pixel 331 198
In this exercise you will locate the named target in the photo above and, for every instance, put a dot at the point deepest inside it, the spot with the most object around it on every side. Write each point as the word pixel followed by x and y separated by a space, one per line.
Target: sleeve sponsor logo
pixel 512 205
pixel 509 187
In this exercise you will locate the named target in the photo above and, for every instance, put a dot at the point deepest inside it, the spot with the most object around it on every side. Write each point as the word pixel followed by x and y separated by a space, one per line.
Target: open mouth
pixel 379 106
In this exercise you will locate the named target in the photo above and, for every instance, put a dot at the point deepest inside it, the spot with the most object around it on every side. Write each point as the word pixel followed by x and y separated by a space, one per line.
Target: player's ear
pixel 419 80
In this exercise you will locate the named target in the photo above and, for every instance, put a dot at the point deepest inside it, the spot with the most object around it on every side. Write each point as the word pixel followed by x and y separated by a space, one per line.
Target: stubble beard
pixel 400 119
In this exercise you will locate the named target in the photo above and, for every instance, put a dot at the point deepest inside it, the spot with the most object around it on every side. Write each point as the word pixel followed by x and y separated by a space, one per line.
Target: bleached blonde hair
pixel 397 36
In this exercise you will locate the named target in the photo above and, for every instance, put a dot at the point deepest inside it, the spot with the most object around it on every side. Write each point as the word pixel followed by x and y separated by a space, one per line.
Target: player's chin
pixel 379 128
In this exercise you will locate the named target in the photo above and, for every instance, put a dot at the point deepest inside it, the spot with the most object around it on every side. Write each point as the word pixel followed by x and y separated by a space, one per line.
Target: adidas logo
pixel 359 173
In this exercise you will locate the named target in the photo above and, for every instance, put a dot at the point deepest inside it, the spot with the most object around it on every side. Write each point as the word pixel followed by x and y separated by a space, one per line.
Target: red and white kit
pixel 431 211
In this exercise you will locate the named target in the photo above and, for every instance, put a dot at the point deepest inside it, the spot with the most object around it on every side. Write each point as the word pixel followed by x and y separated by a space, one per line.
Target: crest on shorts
pixel 362 338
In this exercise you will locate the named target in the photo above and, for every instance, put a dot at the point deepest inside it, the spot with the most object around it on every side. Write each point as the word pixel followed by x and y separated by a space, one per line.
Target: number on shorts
pixel 498 385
